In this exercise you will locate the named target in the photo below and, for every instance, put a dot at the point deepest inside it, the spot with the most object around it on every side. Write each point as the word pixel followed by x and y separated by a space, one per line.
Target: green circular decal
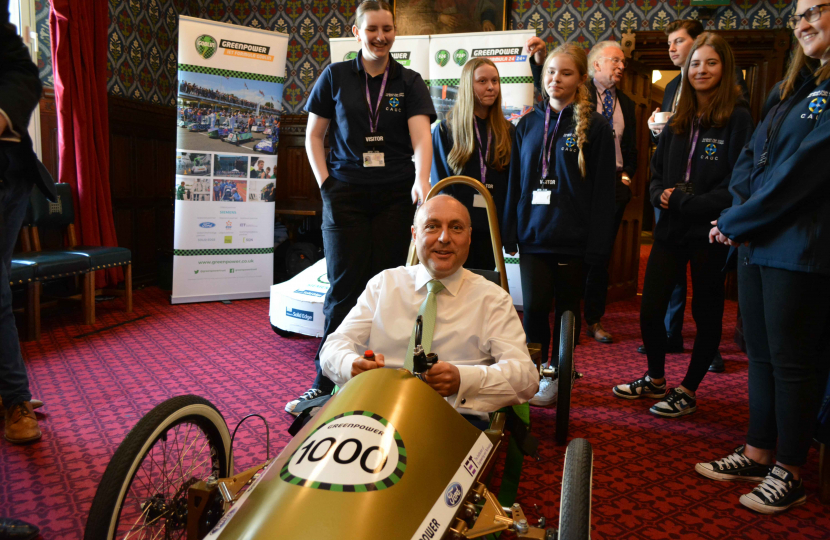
pixel 351 55
pixel 206 46
pixel 460 57
pixel 354 452
pixel 442 57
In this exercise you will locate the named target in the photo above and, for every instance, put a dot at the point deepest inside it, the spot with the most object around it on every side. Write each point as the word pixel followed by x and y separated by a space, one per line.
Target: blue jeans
pixel 14 384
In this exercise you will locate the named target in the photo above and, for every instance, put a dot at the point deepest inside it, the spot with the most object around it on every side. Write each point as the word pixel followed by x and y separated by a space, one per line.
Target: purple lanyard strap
pixel 373 115
pixel 546 151
pixel 693 136
pixel 482 159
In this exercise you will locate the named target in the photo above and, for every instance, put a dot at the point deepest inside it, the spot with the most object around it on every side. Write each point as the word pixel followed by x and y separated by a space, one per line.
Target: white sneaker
pixel 548 389
pixel 307 395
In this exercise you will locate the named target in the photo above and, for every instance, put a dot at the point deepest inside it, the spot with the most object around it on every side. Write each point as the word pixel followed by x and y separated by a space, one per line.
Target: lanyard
pixel 546 150
pixel 693 137
pixel 482 159
pixel 373 115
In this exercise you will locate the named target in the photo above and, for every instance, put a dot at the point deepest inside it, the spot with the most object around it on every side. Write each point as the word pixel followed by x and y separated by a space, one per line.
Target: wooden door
pixel 625 257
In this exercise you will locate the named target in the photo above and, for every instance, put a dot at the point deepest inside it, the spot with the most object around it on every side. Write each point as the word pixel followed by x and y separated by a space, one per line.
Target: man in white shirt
pixel 477 335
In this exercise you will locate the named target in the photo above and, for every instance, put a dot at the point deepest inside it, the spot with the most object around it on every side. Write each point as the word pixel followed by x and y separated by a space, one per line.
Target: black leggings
pixel 545 276
pixel 786 318
pixel 664 264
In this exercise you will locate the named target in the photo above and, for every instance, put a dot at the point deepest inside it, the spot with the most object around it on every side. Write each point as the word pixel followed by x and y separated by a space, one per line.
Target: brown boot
pixel 36 404
pixel 595 331
pixel 21 424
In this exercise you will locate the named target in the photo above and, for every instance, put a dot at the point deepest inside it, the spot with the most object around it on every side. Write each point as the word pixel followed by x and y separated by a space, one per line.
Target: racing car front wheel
pixel 575 504
pixel 565 376
pixel 143 493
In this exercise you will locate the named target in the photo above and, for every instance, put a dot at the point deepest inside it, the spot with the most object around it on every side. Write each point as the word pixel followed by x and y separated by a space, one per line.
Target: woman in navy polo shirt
pixel 475 141
pixel 780 218
pixel 690 183
pixel 559 209
pixel 377 114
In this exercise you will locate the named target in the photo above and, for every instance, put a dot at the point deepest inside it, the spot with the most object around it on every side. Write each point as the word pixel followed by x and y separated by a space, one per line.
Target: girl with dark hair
pixel 475 141
pixel 559 209
pixel 377 114
pixel 691 169
pixel 779 219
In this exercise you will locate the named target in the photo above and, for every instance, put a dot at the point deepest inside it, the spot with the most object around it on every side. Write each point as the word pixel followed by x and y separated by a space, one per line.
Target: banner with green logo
pixel 227 128
pixel 440 58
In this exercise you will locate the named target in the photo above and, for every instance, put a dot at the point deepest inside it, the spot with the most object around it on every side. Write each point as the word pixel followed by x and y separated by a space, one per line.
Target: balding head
pixel 442 235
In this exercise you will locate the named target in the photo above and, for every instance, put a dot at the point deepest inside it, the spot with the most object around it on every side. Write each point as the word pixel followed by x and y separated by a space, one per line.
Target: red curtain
pixel 79 57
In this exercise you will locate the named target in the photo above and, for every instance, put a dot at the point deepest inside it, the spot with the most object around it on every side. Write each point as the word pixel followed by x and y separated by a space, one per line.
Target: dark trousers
pixel 677 304
pixel 14 384
pixel 366 229
pixel 481 250
pixel 596 278
pixel 546 276
pixel 664 264
pixel 786 318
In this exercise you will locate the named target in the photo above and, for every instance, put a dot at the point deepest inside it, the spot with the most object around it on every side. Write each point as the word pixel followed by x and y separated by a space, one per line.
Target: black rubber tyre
pixel 282 333
pixel 177 429
pixel 565 376
pixel 575 504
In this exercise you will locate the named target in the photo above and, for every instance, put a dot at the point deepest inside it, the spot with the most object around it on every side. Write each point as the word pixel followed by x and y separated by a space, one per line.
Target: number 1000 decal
pixel 356 451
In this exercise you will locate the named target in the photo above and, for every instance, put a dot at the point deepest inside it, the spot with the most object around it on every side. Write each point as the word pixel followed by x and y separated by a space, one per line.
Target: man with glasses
pixel 606 64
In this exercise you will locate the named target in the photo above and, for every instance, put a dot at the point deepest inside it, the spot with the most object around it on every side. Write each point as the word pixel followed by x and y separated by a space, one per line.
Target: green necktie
pixel 427 311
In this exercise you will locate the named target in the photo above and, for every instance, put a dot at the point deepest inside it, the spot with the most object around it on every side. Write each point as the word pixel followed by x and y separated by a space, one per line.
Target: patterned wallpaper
pixel 142 60
pixel 44 50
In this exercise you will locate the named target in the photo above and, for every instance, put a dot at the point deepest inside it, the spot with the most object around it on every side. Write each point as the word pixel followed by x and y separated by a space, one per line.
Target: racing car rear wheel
pixel 575 505
pixel 143 493
pixel 565 376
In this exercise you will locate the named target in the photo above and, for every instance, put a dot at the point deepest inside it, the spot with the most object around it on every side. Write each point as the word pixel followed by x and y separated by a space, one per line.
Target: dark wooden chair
pixel 23 275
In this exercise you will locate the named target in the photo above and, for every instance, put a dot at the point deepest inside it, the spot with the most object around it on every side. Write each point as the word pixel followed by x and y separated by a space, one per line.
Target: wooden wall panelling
pixel 142 178
pixel 49 132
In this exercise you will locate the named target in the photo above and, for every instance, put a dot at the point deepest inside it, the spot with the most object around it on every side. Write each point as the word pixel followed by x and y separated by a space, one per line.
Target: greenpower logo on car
pixel 460 57
pixel 442 57
pixel 206 46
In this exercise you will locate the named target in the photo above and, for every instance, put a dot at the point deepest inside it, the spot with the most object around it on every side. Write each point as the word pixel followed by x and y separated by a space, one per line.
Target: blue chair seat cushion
pixel 56 263
pixel 102 256
pixel 22 271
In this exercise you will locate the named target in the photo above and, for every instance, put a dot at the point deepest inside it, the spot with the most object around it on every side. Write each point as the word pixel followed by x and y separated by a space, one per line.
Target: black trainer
pixel 777 493
pixel 307 395
pixel 677 403
pixel 640 388
pixel 734 467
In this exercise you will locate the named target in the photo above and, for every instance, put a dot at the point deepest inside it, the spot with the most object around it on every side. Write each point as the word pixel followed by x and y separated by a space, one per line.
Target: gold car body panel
pixel 437 442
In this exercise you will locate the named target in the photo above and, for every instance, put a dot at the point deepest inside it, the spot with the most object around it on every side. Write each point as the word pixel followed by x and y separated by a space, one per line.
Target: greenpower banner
pixel 440 58
pixel 229 100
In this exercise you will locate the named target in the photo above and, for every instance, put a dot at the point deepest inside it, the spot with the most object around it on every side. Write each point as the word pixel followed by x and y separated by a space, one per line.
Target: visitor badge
pixel 541 196
pixel 373 159
pixel 478 201
pixel 374 140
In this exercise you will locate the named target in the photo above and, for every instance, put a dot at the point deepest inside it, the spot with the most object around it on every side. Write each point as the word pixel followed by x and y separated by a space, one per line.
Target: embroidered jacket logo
pixel 817 105
pixel 711 149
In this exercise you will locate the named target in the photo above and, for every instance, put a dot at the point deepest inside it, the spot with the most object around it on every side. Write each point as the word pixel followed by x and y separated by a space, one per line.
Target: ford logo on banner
pixel 453 494
pixel 207 225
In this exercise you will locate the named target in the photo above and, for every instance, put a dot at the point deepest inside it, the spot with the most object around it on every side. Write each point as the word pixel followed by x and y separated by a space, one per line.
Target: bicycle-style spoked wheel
pixel 143 493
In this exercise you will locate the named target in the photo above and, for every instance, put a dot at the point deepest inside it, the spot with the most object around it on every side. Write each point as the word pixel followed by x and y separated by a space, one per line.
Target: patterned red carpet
pixel 96 387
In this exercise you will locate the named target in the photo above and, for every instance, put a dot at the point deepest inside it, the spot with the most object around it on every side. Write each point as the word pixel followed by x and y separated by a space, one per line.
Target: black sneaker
pixel 640 388
pixel 736 466
pixel 308 395
pixel 677 403
pixel 778 492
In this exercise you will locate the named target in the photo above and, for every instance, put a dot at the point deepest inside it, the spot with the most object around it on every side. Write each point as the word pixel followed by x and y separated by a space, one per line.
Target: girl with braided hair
pixel 559 208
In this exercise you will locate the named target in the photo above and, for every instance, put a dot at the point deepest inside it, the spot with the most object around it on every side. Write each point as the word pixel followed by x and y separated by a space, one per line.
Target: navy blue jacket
pixel 442 145
pixel 783 208
pixel 580 217
pixel 340 96
pixel 689 216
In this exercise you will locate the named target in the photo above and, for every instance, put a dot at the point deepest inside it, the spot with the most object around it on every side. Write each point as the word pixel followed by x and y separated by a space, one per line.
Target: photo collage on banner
pixel 229 100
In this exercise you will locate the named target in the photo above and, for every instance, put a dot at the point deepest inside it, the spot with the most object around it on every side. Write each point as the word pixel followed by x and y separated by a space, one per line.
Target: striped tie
pixel 428 311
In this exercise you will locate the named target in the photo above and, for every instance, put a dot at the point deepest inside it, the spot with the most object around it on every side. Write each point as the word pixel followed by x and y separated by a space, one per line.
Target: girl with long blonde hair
pixel 559 209
pixel 474 140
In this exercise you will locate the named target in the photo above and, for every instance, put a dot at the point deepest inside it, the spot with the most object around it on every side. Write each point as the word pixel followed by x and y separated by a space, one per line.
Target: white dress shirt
pixel 476 329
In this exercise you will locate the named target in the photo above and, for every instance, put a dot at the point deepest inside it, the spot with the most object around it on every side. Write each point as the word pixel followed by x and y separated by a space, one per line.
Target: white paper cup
pixel 662 117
